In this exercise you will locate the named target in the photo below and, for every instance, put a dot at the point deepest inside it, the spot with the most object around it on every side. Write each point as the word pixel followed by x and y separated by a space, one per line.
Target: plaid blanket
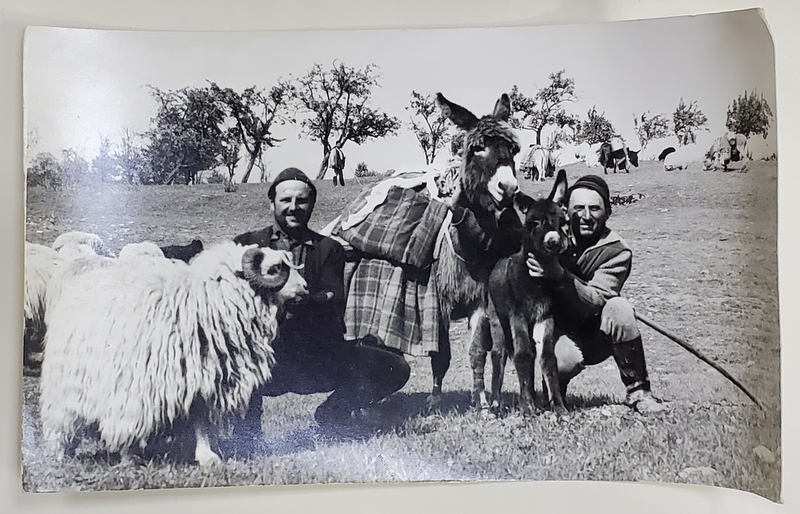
pixel 402 229
pixel 396 303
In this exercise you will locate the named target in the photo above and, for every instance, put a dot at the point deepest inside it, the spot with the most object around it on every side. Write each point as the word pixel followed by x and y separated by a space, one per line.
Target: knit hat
pixel 596 184
pixel 291 174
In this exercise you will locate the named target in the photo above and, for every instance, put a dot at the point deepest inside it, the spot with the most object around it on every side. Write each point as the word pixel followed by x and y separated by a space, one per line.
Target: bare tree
pixel 546 107
pixel 650 127
pixel 255 112
pixel 687 119
pixel 595 128
pixel 185 135
pixel 428 124
pixel 336 105
pixel 229 154
pixel 749 114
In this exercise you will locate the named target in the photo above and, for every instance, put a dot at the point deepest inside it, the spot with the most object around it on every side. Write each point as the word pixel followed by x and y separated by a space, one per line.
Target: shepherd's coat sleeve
pixel 586 299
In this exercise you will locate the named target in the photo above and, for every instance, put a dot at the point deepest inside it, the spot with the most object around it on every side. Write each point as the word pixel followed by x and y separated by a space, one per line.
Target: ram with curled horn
pixel 137 349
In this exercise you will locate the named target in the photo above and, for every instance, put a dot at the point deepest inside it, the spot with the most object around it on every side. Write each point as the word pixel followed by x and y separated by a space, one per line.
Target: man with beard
pixel 311 353
pixel 586 284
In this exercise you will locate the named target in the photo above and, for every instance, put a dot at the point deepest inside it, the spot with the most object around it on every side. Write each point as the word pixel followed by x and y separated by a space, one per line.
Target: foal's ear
pixel 461 117
pixel 502 109
pixel 559 187
pixel 522 204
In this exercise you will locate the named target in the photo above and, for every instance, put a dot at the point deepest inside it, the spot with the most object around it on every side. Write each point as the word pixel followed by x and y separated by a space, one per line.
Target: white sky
pixel 80 84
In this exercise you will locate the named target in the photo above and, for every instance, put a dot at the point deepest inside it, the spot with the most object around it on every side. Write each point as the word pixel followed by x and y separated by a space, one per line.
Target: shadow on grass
pixel 401 414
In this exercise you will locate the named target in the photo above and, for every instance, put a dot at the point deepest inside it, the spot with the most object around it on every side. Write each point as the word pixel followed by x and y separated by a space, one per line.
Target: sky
pixel 81 85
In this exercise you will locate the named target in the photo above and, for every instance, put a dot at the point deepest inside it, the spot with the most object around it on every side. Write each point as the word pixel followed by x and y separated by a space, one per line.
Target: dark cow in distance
pixel 666 151
pixel 619 158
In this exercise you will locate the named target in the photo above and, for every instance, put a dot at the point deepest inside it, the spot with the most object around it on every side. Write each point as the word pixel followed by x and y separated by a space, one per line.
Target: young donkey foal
pixel 519 305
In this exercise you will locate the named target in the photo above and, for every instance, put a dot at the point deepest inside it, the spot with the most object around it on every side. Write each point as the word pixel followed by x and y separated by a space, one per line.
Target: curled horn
pixel 251 269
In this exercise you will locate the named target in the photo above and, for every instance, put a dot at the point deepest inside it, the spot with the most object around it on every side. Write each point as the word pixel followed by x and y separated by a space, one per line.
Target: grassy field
pixel 705 265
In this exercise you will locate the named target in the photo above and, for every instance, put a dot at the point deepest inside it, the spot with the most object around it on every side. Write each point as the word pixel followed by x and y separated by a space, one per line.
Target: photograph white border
pixel 241 15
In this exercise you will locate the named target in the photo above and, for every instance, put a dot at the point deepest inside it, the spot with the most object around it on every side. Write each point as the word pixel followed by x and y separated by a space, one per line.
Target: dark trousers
pixel 338 173
pixel 357 376
pixel 613 333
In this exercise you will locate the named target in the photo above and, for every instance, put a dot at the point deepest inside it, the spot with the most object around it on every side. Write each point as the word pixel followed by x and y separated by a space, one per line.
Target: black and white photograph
pixel 529 253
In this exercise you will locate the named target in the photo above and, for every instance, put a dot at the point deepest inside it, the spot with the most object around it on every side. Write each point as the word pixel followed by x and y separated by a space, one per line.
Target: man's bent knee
pixel 618 320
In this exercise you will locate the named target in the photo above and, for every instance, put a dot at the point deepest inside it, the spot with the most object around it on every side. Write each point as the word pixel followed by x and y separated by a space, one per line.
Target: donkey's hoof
pixel 208 459
pixel 487 413
pixel 433 402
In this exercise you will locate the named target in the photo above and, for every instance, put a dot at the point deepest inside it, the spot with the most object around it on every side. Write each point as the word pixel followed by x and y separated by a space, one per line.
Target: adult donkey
pixel 484 229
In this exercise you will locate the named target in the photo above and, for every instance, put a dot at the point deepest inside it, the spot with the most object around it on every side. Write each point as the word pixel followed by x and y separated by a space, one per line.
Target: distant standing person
pixel 337 163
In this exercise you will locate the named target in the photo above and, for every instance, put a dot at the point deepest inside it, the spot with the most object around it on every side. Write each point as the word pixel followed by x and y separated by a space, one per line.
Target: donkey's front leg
pixel 480 345
pixel 440 363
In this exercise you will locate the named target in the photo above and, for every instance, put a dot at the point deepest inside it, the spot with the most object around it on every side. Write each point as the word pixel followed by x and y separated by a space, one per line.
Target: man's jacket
pixel 593 277
pixel 311 327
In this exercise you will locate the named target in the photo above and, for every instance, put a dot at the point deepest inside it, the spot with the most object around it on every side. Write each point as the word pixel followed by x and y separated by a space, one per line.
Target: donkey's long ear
pixel 559 188
pixel 522 204
pixel 460 116
pixel 502 109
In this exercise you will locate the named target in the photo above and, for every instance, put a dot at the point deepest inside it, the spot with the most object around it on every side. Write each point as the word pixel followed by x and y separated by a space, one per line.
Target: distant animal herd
pixel 539 162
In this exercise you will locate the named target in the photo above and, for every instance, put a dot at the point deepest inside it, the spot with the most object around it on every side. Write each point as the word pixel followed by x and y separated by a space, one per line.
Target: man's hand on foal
pixel 550 269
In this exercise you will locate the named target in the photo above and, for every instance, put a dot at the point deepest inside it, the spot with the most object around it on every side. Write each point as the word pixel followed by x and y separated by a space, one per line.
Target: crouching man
pixel 311 353
pixel 588 308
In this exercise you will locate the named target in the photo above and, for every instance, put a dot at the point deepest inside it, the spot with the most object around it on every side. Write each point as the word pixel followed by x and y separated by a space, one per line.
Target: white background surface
pixel 782 17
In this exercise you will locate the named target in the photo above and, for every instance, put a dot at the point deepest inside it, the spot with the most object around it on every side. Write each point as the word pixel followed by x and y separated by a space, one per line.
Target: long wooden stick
pixel 694 351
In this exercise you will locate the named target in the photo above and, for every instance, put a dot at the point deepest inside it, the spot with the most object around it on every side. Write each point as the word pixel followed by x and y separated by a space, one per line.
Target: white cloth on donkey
pixel 408 180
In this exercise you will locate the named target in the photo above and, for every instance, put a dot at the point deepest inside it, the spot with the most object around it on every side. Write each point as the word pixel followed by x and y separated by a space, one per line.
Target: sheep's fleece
pixel 132 348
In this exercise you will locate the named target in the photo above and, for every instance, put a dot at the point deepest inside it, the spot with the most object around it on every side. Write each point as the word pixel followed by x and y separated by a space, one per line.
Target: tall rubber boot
pixel 629 356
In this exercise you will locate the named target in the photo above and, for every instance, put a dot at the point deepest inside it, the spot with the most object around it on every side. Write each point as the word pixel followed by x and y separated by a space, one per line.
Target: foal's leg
pixel 501 340
pixel 523 361
pixel 543 335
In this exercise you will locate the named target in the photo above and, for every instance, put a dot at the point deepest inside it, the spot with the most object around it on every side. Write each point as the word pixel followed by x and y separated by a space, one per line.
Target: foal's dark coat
pixel 519 305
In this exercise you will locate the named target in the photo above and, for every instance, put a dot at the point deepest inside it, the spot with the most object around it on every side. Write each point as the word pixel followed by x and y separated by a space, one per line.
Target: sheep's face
pixel 272 271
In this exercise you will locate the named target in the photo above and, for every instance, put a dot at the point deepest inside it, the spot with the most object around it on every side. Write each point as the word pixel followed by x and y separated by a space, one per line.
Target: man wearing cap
pixel 734 156
pixel 587 281
pixel 337 163
pixel 311 353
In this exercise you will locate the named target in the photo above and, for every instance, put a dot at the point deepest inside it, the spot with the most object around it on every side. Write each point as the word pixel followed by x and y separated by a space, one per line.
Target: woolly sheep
pixel 76 238
pixel 41 263
pixel 135 251
pixel 72 253
pixel 135 349
pixel 682 157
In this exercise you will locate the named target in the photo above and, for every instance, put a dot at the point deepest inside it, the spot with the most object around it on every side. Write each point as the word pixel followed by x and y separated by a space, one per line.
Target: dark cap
pixel 596 184
pixel 291 174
